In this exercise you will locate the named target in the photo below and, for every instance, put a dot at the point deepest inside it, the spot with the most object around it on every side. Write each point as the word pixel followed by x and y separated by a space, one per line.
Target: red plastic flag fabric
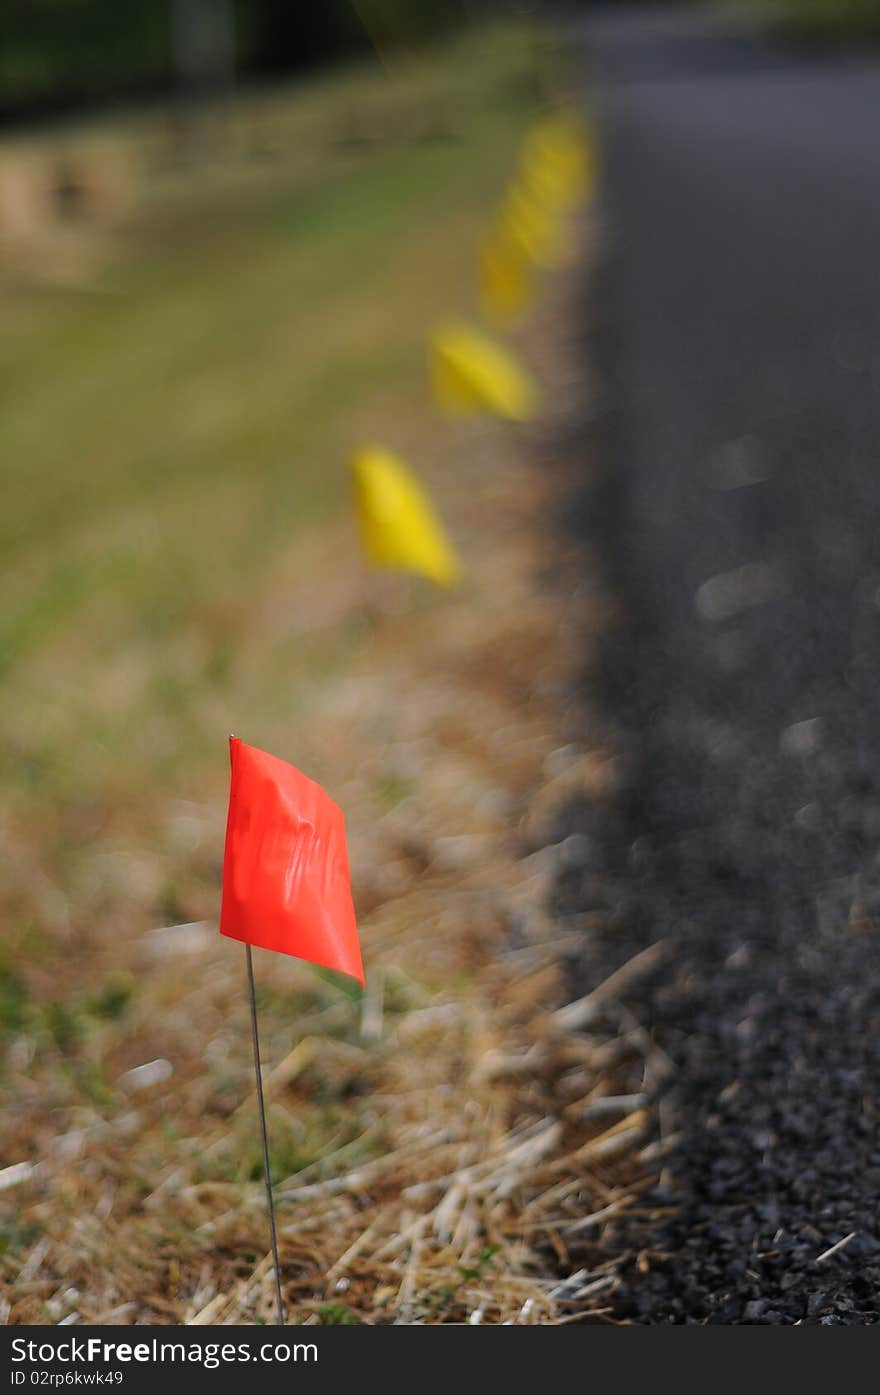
pixel 286 882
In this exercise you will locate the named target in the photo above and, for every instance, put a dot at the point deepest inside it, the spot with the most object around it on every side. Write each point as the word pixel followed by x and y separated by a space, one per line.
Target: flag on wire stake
pixel 286 886
pixel 536 229
pixel 559 161
pixel 506 279
pixel 472 374
pixel 399 528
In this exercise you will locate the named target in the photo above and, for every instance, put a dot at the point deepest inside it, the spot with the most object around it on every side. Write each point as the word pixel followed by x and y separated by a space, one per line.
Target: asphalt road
pixel 736 335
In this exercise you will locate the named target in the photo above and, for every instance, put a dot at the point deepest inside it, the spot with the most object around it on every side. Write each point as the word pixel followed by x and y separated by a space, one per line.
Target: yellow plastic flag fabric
pixel 537 229
pixel 472 374
pixel 506 289
pixel 558 161
pixel 398 526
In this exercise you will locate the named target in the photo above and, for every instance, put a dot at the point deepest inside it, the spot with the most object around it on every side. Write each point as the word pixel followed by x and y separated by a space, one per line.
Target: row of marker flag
pixel 286 881
pixel 472 372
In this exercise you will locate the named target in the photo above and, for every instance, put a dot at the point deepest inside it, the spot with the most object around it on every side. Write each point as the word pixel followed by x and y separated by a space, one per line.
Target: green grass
pixel 337 1315
pixel 13 1000
pixel 170 426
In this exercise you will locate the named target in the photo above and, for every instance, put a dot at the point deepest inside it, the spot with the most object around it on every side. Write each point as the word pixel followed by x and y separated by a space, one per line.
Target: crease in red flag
pixel 286 881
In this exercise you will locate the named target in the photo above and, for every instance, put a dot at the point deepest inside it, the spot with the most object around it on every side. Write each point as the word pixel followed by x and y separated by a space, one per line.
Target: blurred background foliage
pixel 57 54
pixel 61 54
pixel 824 19
pixel 820 21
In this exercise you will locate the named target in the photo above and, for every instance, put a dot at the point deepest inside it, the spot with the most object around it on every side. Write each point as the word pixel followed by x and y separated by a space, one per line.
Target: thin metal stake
pixel 264 1132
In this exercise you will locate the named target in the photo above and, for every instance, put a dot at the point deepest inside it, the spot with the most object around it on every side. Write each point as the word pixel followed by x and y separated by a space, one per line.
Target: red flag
pixel 285 869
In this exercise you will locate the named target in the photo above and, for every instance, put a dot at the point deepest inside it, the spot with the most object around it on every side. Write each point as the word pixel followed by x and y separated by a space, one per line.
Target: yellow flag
pixel 399 529
pixel 506 289
pixel 536 228
pixel 472 374
pixel 559 161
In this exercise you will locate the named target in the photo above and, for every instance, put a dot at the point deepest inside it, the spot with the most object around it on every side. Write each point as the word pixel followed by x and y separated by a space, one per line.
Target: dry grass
pixel 443 1145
